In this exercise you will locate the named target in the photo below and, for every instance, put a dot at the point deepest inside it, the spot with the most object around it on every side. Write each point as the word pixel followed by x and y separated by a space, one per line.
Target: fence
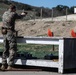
pixel 67 52
pixel 66 17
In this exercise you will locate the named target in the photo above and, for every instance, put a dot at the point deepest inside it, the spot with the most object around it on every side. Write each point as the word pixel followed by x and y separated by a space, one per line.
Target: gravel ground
pixel 32 73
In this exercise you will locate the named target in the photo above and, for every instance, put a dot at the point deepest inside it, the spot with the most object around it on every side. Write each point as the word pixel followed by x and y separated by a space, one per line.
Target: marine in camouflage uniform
pixel 10 45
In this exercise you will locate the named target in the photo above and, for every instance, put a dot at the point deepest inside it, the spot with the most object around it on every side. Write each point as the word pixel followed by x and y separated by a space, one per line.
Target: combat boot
pixel 3 67
pixel 9 68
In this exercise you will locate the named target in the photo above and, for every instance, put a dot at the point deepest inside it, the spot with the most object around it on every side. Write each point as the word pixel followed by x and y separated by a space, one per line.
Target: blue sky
pixel 48 3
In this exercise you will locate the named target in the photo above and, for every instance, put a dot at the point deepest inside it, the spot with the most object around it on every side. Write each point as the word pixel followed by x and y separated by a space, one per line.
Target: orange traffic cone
pixel 73 34
pixel 50 34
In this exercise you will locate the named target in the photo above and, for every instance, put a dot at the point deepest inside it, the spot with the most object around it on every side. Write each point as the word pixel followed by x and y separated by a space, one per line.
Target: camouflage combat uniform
pixel 10 45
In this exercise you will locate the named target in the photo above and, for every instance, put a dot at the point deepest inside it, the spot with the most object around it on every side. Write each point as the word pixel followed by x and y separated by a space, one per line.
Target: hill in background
pixel 35 12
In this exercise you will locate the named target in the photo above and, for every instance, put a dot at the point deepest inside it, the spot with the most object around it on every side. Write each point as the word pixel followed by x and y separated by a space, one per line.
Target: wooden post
pixel 52 14
pixel 66 14
pixel 41 13
pixel 34 14
pixel 53 47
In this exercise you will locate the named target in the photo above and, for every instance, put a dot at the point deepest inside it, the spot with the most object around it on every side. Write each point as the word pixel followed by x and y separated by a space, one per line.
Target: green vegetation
pixel 38 51
pixel 0 19
pixel 1 47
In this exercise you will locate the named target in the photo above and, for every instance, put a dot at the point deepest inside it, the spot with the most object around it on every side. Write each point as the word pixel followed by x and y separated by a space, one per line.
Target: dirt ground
pixel 40 27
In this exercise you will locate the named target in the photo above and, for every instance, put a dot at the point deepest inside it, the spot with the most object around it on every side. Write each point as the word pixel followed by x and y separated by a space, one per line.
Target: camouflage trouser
pixel 10 48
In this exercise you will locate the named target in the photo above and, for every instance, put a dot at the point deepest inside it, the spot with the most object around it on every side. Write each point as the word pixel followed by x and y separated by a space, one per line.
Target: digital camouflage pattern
pixel 10 45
